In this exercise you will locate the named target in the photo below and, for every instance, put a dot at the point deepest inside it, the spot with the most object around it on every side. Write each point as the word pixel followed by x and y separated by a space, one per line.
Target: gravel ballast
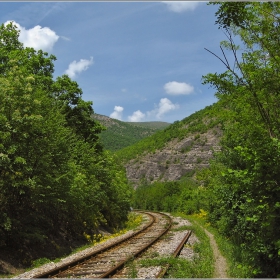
pixel 165 247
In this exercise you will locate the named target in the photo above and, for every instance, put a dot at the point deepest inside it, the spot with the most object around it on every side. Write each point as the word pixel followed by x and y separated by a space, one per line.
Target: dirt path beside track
pixel 220 262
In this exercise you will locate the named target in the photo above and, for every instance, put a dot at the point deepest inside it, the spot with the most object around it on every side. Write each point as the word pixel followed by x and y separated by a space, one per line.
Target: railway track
pixel 154 272
pixel 105 262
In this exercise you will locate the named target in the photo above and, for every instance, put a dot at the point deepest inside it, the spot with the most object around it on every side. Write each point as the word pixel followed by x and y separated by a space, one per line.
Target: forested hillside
pixel 120 134
pixel 239 193
pixel 180 149
pixel 57 183
pixel 198 122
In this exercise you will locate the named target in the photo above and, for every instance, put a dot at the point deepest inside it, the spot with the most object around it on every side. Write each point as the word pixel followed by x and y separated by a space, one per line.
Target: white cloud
pixel 181 6
pixel 117 114
pixel 77 67
pixel 175 88
pixel 137 116
pixel 164 106
pixel 39 38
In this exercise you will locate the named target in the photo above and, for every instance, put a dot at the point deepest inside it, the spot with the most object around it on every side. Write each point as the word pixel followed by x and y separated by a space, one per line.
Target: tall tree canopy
pixel 53 170
pixel 247 187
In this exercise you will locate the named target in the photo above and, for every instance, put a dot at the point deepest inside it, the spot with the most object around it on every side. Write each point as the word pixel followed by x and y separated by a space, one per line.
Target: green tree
pixel 78 112
pixel 53 171
pixel 34 149
pixel 247 186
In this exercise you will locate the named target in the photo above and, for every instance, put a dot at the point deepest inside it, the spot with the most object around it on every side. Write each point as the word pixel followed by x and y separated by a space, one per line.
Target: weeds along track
pixel 175 254
pixel 131 271
pixel 105 262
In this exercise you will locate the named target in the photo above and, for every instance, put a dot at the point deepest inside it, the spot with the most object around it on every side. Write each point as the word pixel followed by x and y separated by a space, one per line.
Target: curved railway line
pixel 109 261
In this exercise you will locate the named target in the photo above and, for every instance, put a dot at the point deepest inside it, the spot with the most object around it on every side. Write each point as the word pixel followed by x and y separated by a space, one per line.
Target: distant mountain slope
pixel 122 134
pixel 176 151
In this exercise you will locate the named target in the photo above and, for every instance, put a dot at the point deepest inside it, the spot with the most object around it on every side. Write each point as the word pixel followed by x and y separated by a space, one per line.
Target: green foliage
pixel 201 266
pixel 245 179
pixel 53 170
pixel 182 228
pixel 134 220
pixel 40 262
pixel 227 248
pixel 78 113
pixel 120 134
pixel 184 196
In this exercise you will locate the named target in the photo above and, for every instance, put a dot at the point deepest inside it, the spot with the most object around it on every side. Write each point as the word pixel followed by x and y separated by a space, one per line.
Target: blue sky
pixel 137 61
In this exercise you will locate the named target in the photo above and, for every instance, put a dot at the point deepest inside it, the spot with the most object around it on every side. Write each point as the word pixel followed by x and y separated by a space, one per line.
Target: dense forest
pixel 240 192
pixel 55 171
pixel 55 177
pixel 184 195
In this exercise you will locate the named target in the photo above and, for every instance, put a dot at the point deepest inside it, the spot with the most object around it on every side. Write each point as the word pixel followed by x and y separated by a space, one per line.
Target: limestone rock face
pixel 176 159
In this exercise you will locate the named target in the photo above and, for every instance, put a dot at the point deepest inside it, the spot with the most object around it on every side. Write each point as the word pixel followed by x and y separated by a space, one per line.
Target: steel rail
pixel 176 253
pixel 119 266
pixel 88 256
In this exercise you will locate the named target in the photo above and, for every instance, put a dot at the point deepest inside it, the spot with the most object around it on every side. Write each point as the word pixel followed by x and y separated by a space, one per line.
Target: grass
pixel 201 266
pixel 40 262
pixel 132 271
pixel 232 254
pixel 236 269
pixel 181 228
pixel 6 275
pixel 134 220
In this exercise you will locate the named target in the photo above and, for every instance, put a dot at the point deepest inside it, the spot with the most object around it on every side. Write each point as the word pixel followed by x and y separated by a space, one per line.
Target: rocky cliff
pixel 176 159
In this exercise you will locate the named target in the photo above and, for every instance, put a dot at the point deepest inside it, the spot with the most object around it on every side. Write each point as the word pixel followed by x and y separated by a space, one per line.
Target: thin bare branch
pixel 218 58
pixel 228 67
pixel 235 54
pixel 224 55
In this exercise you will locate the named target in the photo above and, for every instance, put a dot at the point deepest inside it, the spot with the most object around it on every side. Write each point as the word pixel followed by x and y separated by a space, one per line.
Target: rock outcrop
pixel 176 159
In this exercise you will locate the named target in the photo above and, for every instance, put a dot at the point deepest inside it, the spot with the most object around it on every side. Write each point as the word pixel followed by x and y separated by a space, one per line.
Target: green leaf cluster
pixel 184 196
pixel 55 177
pixel 244 179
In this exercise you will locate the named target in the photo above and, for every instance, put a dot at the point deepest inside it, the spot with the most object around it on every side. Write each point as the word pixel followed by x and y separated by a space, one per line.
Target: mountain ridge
pixel 119 134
